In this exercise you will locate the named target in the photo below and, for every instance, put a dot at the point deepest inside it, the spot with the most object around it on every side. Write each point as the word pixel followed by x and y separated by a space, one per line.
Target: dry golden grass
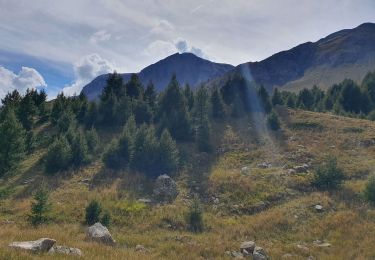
pixel 288 224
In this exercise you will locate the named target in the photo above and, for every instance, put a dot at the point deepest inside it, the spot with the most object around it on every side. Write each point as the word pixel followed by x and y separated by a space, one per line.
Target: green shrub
pixel 58 156
pixel 93 211
pixel 328 176
pixel 369 191
pixel 40 207
pixel 195 216
pixel 106 219
pixel 273 121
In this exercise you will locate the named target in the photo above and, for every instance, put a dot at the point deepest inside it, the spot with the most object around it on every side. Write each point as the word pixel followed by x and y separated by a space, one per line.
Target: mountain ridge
pixel 189 69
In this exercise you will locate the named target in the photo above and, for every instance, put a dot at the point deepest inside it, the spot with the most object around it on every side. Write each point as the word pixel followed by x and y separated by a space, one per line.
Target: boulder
pixel 247 247
pixel 100 233
pixel 259 254
pixel 245 170
pixel 264 165
pixel 65 250
pixel 165 189
pixel 318 208
pixel 40 245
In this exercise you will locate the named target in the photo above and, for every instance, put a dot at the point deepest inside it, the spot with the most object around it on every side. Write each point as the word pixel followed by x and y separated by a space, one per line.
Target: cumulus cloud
pixel 86 69
pixel 183 46
pixel 26 78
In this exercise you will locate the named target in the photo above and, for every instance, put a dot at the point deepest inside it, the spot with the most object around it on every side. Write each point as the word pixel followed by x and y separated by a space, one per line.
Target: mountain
pixel 188 68
pixel 348 53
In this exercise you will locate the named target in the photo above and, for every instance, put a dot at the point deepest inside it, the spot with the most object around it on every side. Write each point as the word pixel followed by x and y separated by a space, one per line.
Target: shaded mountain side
pixel 188 68
pixel 348 53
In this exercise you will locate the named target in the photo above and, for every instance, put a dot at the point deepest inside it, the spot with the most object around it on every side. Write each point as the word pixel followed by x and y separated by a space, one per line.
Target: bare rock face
pixel 40 245
pixel 100 233
pixel 65 250
pixel 165 189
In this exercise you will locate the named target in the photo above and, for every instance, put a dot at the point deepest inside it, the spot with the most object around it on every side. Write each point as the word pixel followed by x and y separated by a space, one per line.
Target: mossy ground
pixel 286 223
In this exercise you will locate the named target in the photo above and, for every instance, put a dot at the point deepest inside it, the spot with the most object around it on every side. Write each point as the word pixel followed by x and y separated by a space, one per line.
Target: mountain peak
pixel 188 67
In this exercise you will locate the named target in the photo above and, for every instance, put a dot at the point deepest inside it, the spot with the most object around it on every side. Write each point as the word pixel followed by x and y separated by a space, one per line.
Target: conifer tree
pixel 218 109
pixel 173 106
pixel 202 135
pixel 40 207
pixel 12 142
pixel 134 88
pixel 150 95
pixel 276 98
pixel 264 99
pixel 189 96
pixel 168 154
pixel 58 156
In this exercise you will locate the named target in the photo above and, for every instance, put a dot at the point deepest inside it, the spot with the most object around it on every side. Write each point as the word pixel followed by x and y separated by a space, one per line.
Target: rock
pixel 65 250
pixel 321 243
pixel 318 208
pixel 247 247
pixel 292 171
pixel 216 201
pixel 7 222
pixel 141 248
pixel 259 254
pixel 285 256
pixel 100 233
pixel 245 170
pixel 301 168
pixel 237 255
pixel 145 201
pixel 165 189
pixel 40 245
pixel 264 165
pixel 304 248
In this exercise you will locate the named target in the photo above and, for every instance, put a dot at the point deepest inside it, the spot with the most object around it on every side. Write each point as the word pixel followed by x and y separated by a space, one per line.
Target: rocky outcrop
pixel 100 234
pixel 165 189
pixel 40 245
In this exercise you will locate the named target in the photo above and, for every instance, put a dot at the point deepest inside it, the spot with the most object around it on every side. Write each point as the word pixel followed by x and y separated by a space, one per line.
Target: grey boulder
pixel 40 245
pixel 165 189
pixel 100 233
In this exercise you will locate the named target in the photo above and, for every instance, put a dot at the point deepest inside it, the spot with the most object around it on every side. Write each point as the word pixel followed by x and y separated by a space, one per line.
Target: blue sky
pixel 64 45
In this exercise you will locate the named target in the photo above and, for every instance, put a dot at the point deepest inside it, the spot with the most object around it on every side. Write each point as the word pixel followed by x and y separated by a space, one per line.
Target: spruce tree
pixel 58 156
pixel 189 96
pixel 134 88
pixel 12 142
pixel 218 109
pixel 40 207
pixel 276 98
pixel 173 106
pixel 168 154
pixel 93 211
pixel 264 99
pixel 202 134
pixel 150 95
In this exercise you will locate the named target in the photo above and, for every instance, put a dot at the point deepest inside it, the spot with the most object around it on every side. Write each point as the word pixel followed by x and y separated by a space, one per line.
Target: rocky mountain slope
pixel 345 54
pixel 188 68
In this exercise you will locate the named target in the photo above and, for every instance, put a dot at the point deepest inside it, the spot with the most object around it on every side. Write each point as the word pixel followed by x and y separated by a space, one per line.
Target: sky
pixel 63 45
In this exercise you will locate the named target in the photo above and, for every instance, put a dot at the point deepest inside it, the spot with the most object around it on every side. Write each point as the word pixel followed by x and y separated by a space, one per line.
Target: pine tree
pixel 79 149
pixel 218 109
pixel 40 207
pixel 27 110
pixel 93 211
pixel 276 98
pixel 58 156
pixel 12 99
pixel 134 88
pixel 93 140
pixel 202 135
pixel 150 95
pixel 168 154
pixel 264 99
pixel 60 105
pixel 195 216
pixel 12 142
pixel 273 121
pixel 173 106
pixel 189 96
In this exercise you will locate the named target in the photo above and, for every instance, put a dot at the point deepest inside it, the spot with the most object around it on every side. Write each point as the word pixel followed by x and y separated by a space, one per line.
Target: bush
pixel 273 121
pixel 195 216
pixel 58 155
pixel 40 207
pixel 106 219
pixel 328 176
pixel 370 190
pixel 93 211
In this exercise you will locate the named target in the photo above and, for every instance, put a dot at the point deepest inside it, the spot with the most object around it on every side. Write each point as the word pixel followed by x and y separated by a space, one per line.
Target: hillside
pixel 242 199
pixel 189 69
pixel 345 54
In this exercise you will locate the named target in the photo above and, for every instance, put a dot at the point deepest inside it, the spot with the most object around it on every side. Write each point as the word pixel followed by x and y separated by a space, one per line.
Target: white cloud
pixel 86 69
pixel 160 49
pixel 183 46
pixel 26 78
pixel 100 36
